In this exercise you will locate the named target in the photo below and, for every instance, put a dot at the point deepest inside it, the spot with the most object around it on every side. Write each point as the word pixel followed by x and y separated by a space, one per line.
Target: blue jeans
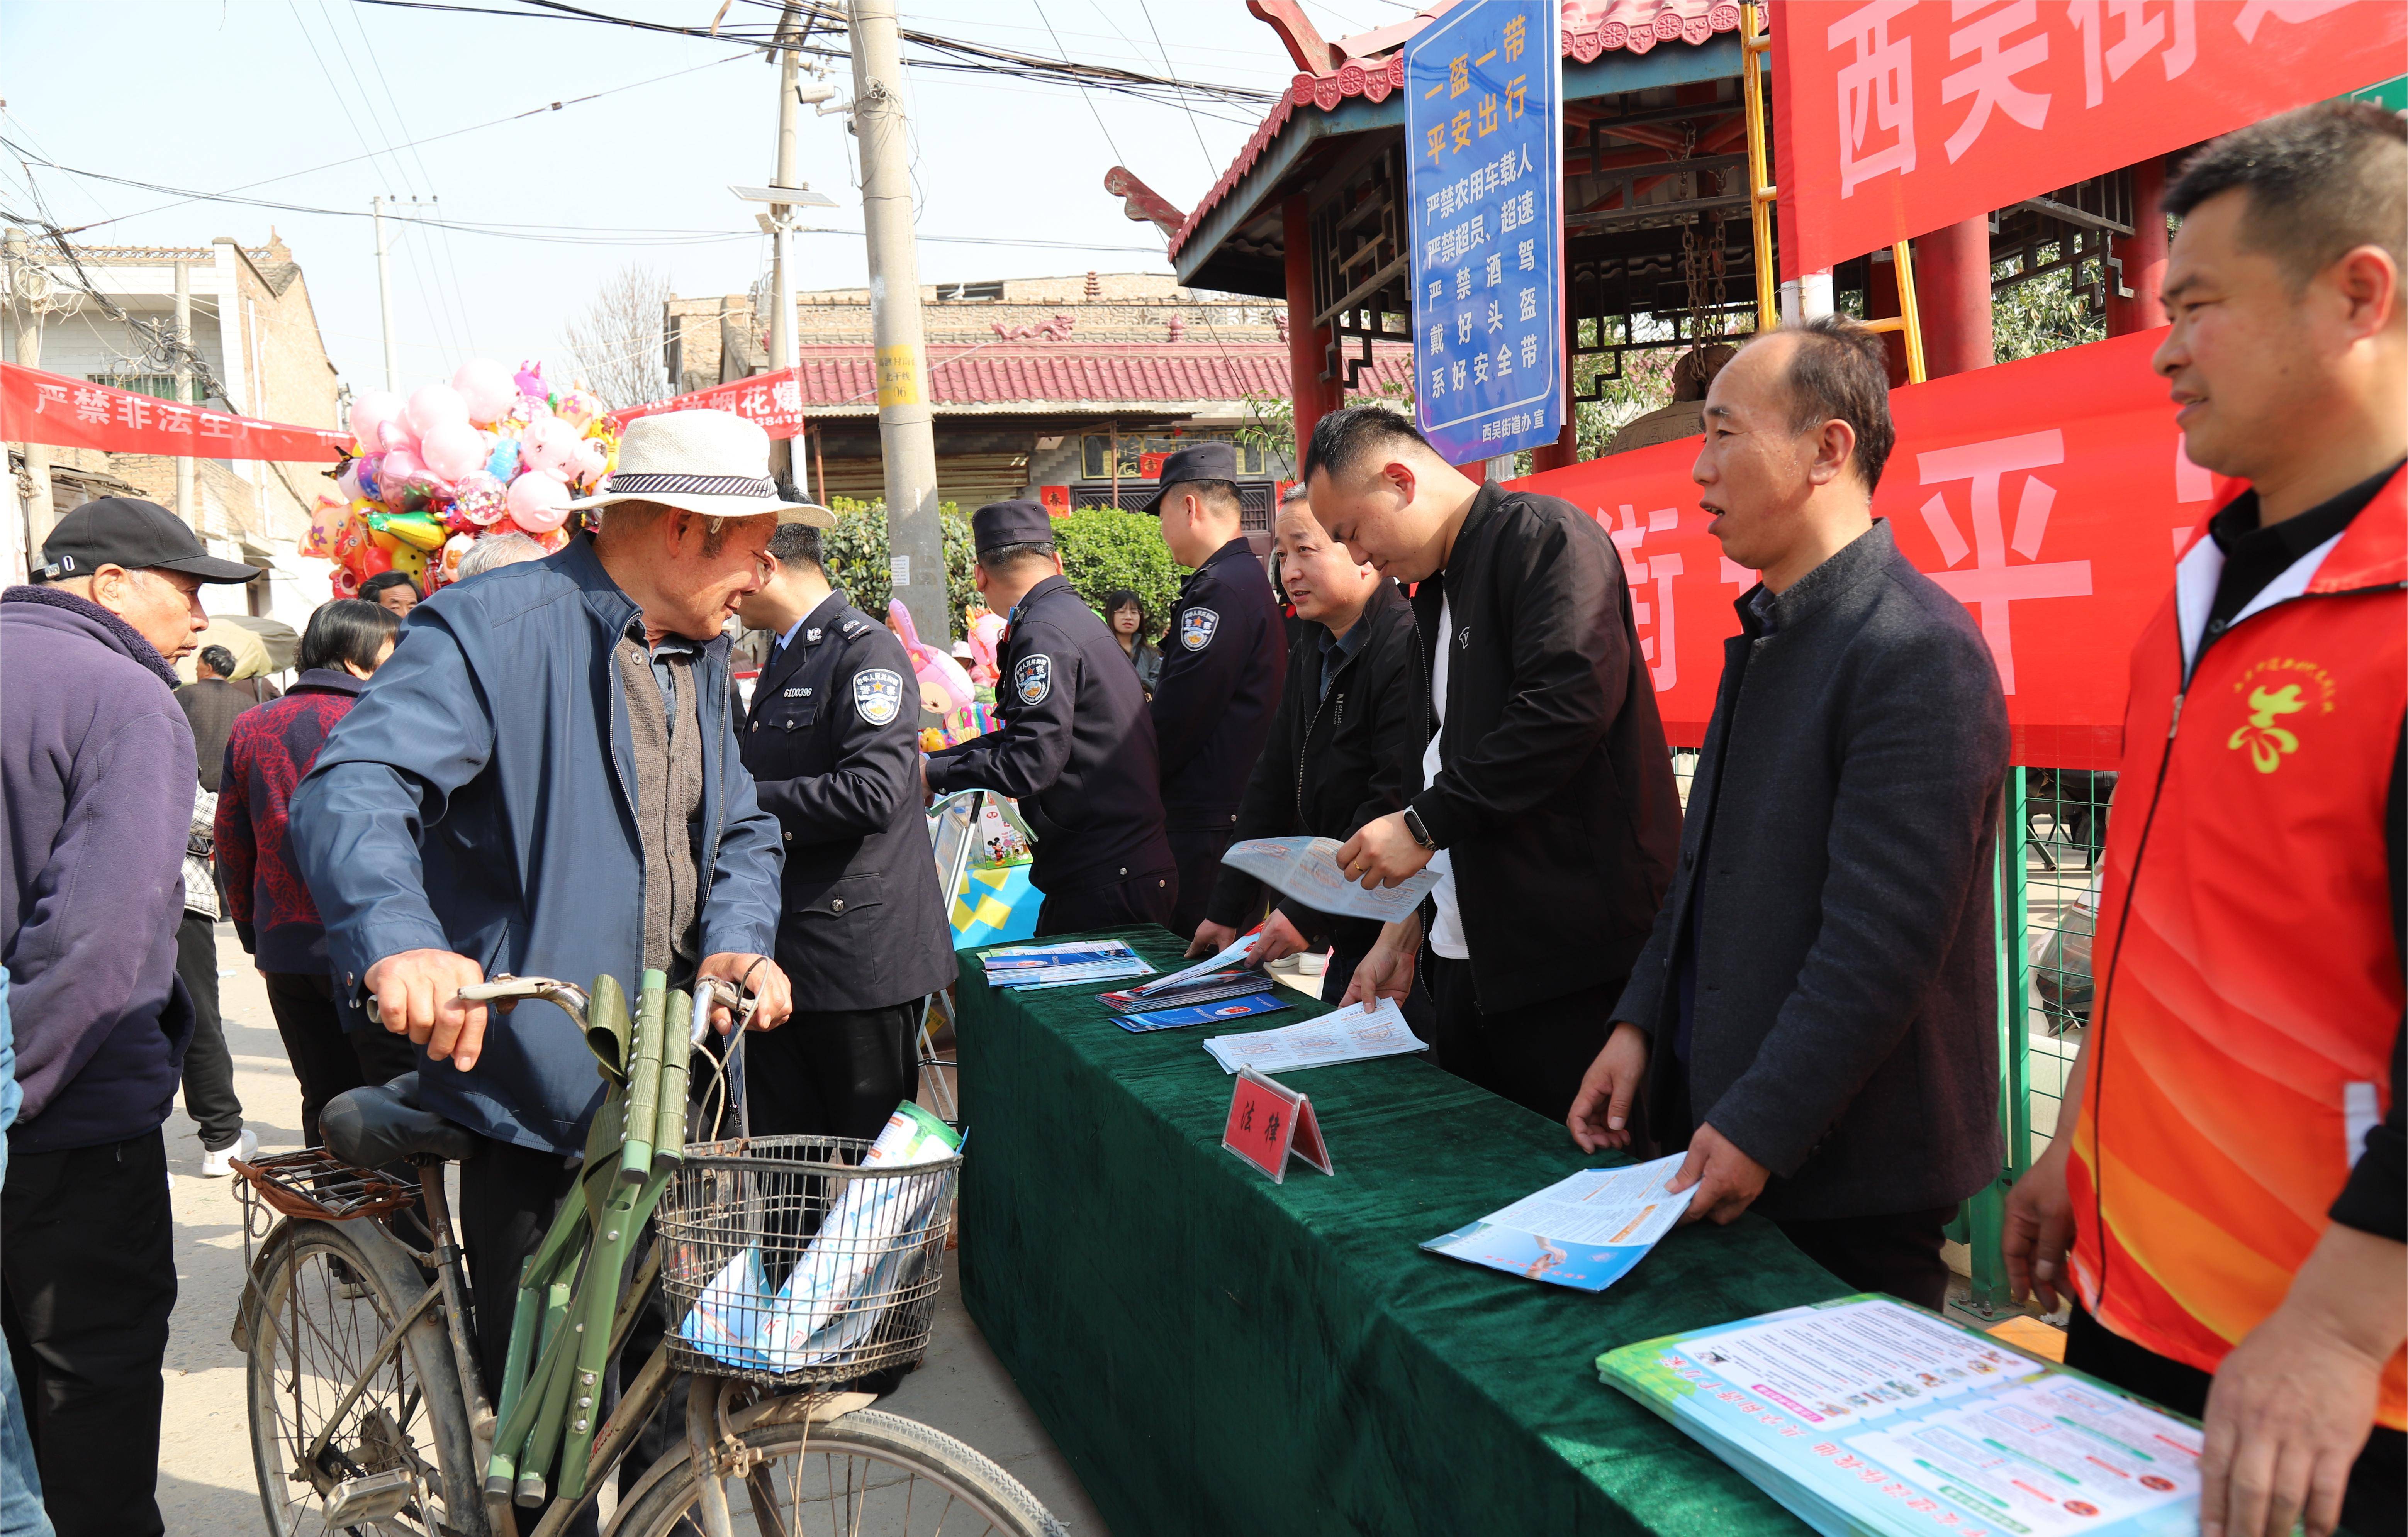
pixel 20 1484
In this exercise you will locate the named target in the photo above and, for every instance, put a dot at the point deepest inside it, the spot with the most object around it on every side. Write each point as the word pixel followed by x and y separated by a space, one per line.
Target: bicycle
pixel 368 1413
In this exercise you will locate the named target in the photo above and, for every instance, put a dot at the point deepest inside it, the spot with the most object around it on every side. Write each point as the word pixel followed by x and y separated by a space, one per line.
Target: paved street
pixel 205 1483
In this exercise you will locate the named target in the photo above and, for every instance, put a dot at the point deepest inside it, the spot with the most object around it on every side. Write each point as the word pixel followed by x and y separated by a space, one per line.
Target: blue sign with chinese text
pixel 1483 132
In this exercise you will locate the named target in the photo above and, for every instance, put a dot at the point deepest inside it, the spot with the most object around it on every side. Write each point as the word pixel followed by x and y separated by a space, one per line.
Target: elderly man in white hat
pixel 544 780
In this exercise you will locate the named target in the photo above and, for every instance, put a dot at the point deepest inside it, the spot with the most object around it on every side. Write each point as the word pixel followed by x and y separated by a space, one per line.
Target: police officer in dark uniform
pixel 832 738
pixel 1075 749
pixel 1223 664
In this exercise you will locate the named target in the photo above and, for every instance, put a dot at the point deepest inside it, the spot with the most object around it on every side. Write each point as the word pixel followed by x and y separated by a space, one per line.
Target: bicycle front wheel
pixel 867 1474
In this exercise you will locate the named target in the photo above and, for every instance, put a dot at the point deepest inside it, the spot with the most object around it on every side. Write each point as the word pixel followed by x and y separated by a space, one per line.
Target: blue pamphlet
pixel 1202 1014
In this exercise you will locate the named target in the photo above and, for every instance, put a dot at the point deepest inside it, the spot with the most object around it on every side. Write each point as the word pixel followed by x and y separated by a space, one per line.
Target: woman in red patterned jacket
pixel 268 751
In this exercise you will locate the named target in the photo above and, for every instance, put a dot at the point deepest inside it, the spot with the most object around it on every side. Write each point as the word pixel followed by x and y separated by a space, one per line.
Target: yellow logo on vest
pixel 2276 689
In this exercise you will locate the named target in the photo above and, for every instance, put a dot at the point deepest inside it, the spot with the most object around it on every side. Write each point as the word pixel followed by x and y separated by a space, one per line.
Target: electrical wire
pixel 1117 157
pixel 1211 166
pixel 459 294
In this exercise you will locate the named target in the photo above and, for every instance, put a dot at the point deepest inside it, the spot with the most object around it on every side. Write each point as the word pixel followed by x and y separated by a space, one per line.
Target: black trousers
pixel 1534 1056
pixel 1140 899
pixel 1897 1252
pixel 2376 1501
pixel 839 1072
pixel 327 1058
pixel 508 1198
pixel 86 1281
pixel 209 1066
pixel 1198 853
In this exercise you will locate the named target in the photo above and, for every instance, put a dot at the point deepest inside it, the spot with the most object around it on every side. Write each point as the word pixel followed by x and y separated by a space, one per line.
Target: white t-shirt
pixel 1446 934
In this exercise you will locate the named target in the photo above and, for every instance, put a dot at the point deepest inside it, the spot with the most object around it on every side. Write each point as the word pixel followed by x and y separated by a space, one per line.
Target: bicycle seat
pixel 381 1123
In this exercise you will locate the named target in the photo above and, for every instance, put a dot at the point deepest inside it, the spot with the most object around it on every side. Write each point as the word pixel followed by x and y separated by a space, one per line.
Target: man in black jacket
pixel 1220 666
pixel 1346 746
pixel 1547 801
pixel 831 740
pixel 1075 749
pixel 1820 995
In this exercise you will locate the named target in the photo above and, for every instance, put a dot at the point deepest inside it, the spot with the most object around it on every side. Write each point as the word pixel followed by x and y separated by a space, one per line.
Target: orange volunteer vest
pixel 2249 986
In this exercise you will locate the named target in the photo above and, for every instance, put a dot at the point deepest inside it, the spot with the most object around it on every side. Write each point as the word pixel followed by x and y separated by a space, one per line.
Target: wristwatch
pixel 1414 825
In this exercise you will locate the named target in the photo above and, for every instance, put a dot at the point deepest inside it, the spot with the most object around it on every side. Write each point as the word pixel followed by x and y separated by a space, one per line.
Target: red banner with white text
pixel 1894 118
pixel 773 400
pixel 70 413
pixel 2051 495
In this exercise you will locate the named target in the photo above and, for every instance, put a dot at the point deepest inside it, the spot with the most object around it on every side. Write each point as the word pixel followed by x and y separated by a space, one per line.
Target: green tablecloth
pixel 1216 1354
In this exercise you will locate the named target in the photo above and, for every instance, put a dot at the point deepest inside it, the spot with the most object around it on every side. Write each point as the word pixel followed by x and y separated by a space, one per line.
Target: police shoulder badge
pixel 878 694
pixel 1032 678
pixel 1196 627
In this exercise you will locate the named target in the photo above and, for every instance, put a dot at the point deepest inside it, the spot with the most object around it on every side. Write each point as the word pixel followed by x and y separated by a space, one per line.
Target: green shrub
pixel 1103 550
pixel 856 554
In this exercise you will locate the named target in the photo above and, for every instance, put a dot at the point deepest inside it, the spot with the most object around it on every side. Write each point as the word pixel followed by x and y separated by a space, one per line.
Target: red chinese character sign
pixel 70 413
pixel 1894 118
pixel 2051 496
pixel 773 400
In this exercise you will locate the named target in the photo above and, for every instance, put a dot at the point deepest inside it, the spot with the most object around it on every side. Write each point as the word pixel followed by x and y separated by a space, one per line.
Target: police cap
pixel 1000 524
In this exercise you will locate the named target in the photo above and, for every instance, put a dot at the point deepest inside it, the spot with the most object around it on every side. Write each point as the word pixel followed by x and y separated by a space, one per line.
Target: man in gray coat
pixel 1819 998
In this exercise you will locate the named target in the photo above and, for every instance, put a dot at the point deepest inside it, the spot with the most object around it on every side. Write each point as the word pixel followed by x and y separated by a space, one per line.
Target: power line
pixel 459 294
pixel 1089 100
pixel 1211 166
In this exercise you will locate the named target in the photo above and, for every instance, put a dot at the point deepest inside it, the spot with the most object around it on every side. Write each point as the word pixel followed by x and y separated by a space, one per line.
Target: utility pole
pixel 782 271
pixel 905 434
pixel 384 297
pixel 25 305
pixel 185 506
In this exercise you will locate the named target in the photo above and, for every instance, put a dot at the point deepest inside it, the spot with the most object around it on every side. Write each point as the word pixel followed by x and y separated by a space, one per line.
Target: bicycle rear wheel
pixel 326 1297
pixel 867 1474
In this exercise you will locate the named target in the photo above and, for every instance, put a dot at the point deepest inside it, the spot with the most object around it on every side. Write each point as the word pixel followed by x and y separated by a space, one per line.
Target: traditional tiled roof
pixel 1018 378
pixel 1375 67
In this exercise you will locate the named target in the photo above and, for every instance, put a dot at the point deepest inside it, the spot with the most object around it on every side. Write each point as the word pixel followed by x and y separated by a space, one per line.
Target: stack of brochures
pixel 1586 1231
pixel 1226 1011
pixel 1865 1416
pixel 1224 975
pixel 1024 967
pixel 1355 1034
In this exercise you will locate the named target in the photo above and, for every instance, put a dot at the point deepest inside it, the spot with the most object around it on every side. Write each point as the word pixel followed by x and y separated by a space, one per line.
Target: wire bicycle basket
pixel 786 1262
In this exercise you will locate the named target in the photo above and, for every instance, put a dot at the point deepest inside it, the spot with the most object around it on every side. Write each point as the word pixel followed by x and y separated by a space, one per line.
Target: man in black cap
pixel 96 792
pixel 1223 661
pixel 833 741
pixel 1075 748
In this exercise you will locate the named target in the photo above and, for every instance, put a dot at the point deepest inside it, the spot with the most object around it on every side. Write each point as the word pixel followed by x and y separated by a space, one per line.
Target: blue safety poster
pixel 1483 132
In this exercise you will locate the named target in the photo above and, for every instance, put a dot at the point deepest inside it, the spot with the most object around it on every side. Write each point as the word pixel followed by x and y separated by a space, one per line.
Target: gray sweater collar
pixel 1867 552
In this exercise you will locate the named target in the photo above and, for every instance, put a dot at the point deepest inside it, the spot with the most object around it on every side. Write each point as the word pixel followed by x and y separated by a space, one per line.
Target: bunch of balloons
pixel 426 476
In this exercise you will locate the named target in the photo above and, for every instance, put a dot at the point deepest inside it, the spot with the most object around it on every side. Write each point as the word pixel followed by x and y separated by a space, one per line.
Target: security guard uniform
pixel 831 740
pixel 1223 665
pixel 1075 750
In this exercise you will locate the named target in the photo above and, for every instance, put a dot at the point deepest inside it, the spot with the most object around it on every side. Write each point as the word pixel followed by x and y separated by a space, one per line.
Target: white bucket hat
pixel 712 462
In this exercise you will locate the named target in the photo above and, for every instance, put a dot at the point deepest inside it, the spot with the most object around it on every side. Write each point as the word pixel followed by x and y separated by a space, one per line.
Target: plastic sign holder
pixel 1268 1121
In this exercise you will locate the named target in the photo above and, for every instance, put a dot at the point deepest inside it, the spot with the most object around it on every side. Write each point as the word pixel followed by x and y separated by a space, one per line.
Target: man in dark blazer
pixel 1546 798
pixel 832 738
pixel 1819 999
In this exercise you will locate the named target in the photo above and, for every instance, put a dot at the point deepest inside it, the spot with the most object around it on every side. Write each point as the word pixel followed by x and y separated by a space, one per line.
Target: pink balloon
pixel 488 388
pixel 370 411
pixel 434 406
pixel 590 457
pixel 452 449
pixel 396 434
pixel 400 465
pixel 548 444
pixel 538 502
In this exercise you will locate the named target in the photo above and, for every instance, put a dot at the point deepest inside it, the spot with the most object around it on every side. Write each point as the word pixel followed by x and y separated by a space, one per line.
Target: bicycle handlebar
pixel 708 991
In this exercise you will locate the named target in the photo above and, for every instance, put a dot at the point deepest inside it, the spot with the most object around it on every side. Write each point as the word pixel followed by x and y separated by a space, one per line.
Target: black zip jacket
pixel 1555 789
pixel 1219 687
pixel 1332 764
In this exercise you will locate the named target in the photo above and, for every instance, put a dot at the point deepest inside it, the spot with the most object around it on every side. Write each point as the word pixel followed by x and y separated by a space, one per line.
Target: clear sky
pixel 215 94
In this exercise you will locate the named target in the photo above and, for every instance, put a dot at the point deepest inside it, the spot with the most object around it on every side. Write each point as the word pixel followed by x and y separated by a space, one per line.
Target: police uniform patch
pixel 1196 627
pixel 878 694
pixel 1032 679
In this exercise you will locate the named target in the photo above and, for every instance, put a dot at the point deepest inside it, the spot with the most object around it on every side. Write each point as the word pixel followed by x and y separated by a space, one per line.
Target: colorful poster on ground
pixel 1864 1415
pixel 1894 118
pixel 2050 495
pixel 1483 135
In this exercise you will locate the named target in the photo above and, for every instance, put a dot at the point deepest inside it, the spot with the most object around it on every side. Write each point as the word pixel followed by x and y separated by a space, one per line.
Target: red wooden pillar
pixel 1952 292
pixel 1308 345
pixel 2142 253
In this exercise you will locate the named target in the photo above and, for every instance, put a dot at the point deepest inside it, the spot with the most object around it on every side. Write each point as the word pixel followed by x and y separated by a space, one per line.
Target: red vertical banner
pixel 2050 495
pixel 1892 118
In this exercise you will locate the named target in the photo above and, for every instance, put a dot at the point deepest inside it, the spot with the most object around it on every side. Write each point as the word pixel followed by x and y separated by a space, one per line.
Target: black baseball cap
pixel 1210 460
pixel 1000 524
pixel 139 536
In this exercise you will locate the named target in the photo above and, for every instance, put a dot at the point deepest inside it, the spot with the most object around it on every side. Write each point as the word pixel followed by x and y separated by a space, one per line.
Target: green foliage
pixel 856 554
pixel 2041 315
pixel 1102 549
